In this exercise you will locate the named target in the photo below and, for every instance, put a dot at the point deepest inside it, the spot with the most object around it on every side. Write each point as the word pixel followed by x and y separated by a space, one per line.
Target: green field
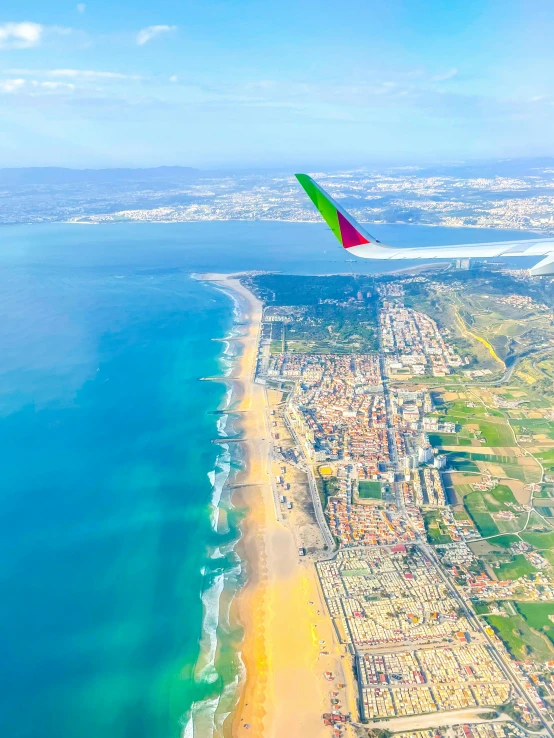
pixel 496 434
pixel 369 490
pixel 479 505
pixel 459 409
pixel 463 489
pixel 547 459
pixel 461 515
pixel 485 524
pixel 481 608
pixel 519 638
pixel 502 493
pixel 475 502
pixel 535 425
pixel 539 540
pixel 464 461
pixel 514 471
pixel 436 532
pixel 492 500
pixel 518 567
pixel 537 614
pixel 504 541
pixel 549 556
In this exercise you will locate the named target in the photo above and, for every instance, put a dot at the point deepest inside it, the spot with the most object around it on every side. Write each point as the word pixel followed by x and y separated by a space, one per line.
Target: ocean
pixel 117 558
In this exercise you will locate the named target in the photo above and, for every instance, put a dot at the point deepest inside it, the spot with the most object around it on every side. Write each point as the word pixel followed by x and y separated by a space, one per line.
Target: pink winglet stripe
pixel 350 236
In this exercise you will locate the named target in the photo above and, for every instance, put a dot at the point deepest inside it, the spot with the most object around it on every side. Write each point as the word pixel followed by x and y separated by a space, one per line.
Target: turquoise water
pixel 105 503
pixel 110 566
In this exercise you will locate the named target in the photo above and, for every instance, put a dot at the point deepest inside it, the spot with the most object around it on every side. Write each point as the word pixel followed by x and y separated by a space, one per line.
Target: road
pixel 390 428
pixel 316 501
pixel 269 435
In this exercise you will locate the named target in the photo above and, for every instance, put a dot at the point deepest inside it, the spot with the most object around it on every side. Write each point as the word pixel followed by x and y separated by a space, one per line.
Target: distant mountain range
pixel 23 176
pixel 63 176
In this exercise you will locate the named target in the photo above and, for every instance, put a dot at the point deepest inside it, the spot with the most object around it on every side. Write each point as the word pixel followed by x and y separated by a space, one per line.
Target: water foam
pixel 218 477
pixel 206 717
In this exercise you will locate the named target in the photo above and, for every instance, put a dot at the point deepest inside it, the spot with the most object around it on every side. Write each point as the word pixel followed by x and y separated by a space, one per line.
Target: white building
pixel 424 454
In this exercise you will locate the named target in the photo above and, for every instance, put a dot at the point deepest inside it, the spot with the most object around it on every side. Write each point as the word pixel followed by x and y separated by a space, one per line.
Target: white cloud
pixel 76 74
pixel 20 35
pixel 174 78
pixel 88 74
pixel 81 7
pixel 146 34
pixel 48 85
pixel 20 84
pixel 11 85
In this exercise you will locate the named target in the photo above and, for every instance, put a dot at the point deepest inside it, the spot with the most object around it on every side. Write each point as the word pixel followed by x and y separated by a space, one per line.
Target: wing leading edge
pixel 360 243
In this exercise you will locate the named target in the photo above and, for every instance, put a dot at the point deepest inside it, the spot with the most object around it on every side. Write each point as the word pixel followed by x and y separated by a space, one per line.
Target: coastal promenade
pixel 316 501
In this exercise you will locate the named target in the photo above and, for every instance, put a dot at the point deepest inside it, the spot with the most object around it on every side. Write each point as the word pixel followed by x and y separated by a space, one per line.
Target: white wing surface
pixel 362 244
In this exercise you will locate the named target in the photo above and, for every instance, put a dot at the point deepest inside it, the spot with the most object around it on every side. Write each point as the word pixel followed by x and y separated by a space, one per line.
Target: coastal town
pixel 518 199
pixel 416 474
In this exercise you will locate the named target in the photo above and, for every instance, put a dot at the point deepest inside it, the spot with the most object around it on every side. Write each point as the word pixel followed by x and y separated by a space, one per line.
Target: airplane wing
pixel 360 243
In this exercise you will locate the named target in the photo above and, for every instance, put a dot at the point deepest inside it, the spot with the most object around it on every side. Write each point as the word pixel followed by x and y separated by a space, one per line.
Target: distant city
pixel 510 194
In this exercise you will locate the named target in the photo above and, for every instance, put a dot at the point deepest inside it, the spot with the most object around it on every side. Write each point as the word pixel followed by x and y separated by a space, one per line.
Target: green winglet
pixel 322 203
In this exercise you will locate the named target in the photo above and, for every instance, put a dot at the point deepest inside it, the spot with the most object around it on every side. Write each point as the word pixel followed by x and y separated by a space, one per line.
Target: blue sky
pixel 294 83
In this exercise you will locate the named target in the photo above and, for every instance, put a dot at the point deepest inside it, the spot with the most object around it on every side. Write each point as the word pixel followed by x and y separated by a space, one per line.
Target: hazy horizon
pixel 320 166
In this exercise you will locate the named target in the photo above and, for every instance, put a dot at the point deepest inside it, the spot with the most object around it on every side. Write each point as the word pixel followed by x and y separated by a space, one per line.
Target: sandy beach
pixel 280 608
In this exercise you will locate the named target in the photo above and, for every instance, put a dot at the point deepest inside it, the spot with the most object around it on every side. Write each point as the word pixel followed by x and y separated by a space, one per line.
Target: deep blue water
pixel 105 452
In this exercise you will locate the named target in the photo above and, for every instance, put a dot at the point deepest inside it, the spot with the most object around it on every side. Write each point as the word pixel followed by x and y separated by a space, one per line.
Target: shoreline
pixel 280 610
pixel 512 228
pixel 210 715
pixel 248 605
